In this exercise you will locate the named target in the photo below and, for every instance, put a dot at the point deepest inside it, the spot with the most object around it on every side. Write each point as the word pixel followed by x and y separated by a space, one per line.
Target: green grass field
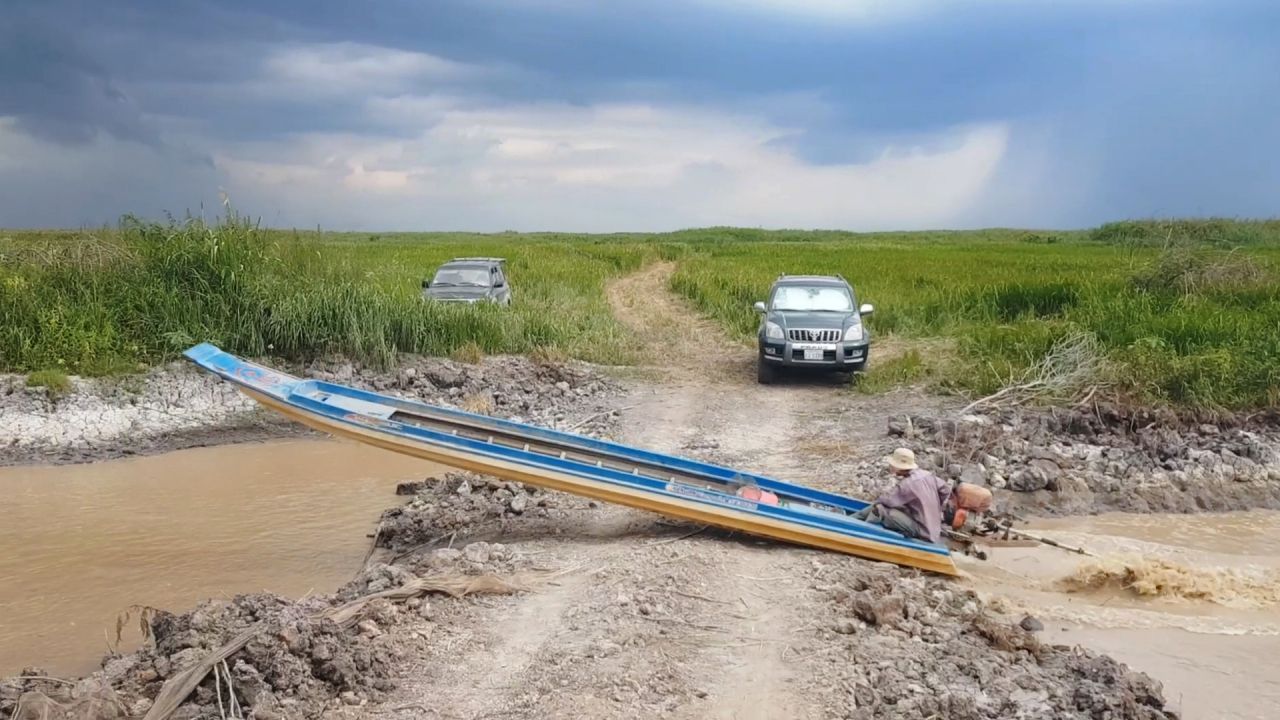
pixel 97 303
pixel 1185 311
pixel 1184 317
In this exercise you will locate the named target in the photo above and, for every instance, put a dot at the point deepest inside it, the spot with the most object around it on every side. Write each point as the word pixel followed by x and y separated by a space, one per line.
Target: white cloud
pixel 359 178
pixel 345 67
pixel 603 168
pixel 857 10
pixel 862 11
pixel 881 11
pixel 409 111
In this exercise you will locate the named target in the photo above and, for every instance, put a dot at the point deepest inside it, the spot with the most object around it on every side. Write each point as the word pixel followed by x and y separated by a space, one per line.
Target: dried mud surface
pixel 177 406
pixel 1072 462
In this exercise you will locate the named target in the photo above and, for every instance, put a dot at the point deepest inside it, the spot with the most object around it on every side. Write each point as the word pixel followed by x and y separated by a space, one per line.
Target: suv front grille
pixel 814 335
pixel 827 356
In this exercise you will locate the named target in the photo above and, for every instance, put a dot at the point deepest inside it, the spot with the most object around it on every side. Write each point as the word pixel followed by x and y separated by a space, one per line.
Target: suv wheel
pixel 766 374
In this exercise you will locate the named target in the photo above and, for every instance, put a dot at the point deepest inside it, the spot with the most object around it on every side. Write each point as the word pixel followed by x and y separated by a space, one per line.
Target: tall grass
pixel 1213 232
pixel 1186 310
pixel 1188 324
pixel 146 291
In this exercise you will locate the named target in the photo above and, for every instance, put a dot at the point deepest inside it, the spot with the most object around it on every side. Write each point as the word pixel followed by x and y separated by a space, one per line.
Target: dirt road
pixel 699 628
pixel 651 617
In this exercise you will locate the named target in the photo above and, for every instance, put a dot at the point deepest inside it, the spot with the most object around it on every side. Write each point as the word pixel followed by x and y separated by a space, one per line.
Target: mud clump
pixel 911 646
pixel 462 503
pixel 292 665
pixel 517 388
pixel 298 660
pixel 33 696
pixel 471 559
pixel 1062 462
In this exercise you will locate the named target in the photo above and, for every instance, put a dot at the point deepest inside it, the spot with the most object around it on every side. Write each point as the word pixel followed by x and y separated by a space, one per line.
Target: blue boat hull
pixel 667 484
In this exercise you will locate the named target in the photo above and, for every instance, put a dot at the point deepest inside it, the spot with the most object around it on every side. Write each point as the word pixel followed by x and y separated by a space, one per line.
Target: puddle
pixel 1192 600
pixel 84 542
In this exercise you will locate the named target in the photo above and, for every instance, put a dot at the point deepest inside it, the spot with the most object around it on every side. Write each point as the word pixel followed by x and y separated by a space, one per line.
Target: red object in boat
pixel 761 496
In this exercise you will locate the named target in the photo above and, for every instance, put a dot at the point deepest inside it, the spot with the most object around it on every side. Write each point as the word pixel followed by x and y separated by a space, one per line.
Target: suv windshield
pixel 825 298
pixel 478 277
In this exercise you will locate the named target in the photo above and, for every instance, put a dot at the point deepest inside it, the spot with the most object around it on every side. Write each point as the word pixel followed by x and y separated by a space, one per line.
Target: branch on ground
pixel 1073 369
pixel 180 686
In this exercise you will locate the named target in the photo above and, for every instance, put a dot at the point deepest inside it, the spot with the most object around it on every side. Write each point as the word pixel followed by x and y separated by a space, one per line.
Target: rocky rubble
pixel 1071 462
pixel 295 664
pixel 466 504
pixel 909 646
pixel 178 406
pixel 292 666
pixel 551 395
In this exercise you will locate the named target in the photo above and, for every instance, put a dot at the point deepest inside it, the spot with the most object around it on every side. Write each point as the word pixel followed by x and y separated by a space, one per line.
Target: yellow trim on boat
pixel 608 492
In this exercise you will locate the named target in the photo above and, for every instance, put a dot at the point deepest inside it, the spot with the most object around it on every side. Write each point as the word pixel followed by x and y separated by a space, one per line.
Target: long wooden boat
pixel 611 472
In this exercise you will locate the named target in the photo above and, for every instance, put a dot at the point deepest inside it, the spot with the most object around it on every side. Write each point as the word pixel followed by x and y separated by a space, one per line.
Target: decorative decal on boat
pixel 709 495
pixel 257 376
pixel 366 420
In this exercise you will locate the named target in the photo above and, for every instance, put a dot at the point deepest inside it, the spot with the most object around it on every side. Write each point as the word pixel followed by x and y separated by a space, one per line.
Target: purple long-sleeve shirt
pixel 921 495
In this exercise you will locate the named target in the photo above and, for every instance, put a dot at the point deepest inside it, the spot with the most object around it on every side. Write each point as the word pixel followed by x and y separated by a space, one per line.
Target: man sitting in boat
pixel 921 503
pixel 913 508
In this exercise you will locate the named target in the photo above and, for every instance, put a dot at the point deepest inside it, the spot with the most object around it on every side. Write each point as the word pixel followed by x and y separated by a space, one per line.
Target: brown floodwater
pixel 82 543
pixel 1192 600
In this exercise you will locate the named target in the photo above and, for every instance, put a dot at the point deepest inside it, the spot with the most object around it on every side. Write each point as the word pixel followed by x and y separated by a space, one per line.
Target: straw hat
pixel 902 459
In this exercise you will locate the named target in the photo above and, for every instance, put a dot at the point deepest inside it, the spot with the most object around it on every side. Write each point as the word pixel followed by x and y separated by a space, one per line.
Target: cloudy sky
pixel 607 115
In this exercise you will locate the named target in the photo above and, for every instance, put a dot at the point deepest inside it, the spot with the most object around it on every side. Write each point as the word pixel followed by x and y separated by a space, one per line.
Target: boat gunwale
pixel 591 472
pixel 288 391
pixel 782 529
pixel 669 462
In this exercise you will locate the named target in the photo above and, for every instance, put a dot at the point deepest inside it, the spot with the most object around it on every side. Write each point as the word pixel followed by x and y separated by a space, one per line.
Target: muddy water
pixel 1193 601
pixel 82 543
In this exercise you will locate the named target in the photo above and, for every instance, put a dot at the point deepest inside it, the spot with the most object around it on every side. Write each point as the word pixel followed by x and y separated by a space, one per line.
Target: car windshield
pixel 476 277
pixel 822 298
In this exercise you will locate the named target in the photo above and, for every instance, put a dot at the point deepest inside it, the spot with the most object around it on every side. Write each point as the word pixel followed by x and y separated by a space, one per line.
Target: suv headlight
pixel 854 333
pixel 773 331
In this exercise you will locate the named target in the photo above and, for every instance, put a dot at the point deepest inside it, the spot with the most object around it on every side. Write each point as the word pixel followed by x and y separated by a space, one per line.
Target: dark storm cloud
pixel 56 91
pixel 1113 109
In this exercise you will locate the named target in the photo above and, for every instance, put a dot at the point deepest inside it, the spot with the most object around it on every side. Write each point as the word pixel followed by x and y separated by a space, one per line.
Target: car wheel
pixel 766 374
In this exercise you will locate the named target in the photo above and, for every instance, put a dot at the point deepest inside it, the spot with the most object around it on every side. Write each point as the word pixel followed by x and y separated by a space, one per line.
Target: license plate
pixel 813 353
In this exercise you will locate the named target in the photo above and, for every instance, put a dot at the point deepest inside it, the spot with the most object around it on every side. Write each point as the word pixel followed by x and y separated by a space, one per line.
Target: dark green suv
pixel 470 280
pixel 811 322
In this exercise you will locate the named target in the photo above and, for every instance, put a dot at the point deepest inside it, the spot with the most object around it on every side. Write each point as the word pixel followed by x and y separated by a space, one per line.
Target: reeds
pixel 146 291
pixel 1184 311
pixel 1183 321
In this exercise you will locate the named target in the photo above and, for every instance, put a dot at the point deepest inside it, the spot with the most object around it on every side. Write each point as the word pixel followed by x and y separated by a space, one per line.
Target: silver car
pixel 470 280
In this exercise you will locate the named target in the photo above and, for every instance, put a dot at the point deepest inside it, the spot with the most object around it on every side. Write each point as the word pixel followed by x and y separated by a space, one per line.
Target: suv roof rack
pixel 480 259
pixel 834 275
